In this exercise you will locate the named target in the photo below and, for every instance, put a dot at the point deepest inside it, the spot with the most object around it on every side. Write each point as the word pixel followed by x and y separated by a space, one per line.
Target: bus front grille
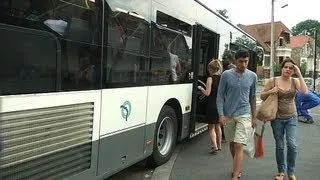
pixel 46 143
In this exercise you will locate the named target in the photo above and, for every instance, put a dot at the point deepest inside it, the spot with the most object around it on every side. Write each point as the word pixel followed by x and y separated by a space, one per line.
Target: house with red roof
pixel 262 33
pixel 303 51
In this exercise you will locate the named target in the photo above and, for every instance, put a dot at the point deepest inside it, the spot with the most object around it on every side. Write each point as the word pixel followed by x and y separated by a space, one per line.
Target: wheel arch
pixel 176 106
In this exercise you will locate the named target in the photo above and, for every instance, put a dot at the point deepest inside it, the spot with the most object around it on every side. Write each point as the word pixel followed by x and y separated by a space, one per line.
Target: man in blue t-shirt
pixel 236 104
pixel 305 102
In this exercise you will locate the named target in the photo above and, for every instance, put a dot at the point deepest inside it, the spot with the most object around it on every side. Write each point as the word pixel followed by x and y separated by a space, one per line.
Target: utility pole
pixel 272 39
pixel 315 60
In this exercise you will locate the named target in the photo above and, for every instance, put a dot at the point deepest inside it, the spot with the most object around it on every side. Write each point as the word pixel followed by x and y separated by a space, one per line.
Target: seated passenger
pixel 85 75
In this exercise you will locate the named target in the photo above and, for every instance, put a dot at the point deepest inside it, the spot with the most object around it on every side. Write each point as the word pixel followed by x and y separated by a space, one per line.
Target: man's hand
pixel 222 120
pixel 254 123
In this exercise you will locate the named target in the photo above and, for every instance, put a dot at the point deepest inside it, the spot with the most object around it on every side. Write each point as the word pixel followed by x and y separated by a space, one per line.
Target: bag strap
pixel 262 130
pixel 293 83
pixel 274 81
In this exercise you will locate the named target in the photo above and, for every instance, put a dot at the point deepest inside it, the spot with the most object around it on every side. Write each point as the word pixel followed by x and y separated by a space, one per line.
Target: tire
pixel 165 137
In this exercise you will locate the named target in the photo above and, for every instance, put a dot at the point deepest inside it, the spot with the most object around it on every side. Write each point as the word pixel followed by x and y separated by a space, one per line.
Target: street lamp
pixel 315 60
pixel 272 37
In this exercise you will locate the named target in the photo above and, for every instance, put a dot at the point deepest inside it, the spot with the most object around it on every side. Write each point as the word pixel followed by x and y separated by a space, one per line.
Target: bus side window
pixel 180 48
pixel 28 62
pixel 26 13
pixel 77 20
pixel 170 57
pixel 160 57
pixel 170 52
pixel 127 53
pixel 81 56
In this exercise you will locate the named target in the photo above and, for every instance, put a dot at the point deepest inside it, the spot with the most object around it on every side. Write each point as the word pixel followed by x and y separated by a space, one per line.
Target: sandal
pixel 213 151
pixel 239 175
pixel 279 176
pixel 292 177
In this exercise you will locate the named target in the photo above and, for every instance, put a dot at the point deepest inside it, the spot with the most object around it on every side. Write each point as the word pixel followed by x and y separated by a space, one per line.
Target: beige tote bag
pixel 269 107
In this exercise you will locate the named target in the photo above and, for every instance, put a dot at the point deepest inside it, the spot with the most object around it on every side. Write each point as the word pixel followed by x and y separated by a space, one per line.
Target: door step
pixel 200 128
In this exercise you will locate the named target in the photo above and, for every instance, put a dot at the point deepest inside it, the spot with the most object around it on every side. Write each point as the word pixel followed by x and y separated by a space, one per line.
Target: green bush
pixel 303 68
pixel 276 69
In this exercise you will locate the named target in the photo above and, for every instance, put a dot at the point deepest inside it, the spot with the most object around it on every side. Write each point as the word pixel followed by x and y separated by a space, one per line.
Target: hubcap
pixel 165 135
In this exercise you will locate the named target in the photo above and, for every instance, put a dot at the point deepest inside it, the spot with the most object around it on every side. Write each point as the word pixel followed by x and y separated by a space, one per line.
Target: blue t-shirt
pixel 235 93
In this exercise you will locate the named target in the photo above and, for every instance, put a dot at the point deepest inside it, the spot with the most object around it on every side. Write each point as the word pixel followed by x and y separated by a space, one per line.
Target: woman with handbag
pixel 286 121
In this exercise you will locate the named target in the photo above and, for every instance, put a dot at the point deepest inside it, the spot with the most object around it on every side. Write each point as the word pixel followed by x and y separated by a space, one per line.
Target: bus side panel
pixel 50 135
pixel 122 128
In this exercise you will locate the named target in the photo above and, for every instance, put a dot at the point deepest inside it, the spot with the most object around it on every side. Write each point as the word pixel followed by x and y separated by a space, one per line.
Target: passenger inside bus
pixel 86 74
pixel 175 68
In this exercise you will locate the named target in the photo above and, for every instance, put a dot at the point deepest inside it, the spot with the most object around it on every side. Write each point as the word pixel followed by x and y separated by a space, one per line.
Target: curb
pixel 163 172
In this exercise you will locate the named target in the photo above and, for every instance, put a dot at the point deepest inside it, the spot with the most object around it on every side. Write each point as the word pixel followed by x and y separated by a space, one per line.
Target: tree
pixel 246 42
pixel 307 27
pixel 223 12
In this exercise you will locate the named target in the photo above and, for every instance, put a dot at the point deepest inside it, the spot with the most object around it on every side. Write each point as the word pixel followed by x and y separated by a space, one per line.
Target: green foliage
pixel 303 68
pixel 307 27
pixel 245 41
pixel 276 69
pixel 223 12
pixel 228 55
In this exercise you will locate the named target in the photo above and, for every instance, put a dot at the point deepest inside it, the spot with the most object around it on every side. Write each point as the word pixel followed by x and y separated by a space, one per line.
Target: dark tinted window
pixel 28 61
pixel 77 24
pixel 170 56
pixel 81 45
pixel 80 66
pixel 127 53
pixel 30 10
pixel 77 20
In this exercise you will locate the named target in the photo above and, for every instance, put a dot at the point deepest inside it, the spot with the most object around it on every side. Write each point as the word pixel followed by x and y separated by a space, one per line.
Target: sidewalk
pixel 194 162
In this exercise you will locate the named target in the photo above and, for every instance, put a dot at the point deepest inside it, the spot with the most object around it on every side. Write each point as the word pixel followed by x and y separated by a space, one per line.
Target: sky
pixel 259 11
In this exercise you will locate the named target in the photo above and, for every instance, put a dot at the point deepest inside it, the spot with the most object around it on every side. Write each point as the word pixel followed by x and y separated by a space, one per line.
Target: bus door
pixel 205 48
pixel 253 61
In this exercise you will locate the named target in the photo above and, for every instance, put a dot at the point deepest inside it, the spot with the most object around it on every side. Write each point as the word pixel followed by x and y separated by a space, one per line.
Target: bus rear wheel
pixel 165 136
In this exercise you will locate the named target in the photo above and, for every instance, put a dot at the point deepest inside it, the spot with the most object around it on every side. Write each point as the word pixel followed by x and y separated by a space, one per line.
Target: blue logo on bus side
pixel 125 110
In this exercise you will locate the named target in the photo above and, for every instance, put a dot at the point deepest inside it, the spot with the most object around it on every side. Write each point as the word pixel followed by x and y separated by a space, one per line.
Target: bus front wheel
pixel 165 136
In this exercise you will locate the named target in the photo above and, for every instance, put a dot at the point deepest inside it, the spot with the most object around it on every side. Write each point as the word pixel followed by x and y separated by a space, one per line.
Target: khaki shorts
pixel 237 128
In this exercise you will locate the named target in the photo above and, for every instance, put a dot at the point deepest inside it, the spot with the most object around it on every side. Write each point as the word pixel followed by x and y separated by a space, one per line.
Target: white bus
pixel 90 87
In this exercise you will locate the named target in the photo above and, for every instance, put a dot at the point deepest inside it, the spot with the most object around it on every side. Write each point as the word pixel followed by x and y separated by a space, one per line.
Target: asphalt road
pixel 194 162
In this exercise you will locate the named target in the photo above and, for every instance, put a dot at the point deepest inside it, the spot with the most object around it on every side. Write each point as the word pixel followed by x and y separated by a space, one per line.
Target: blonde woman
pixel 212 117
